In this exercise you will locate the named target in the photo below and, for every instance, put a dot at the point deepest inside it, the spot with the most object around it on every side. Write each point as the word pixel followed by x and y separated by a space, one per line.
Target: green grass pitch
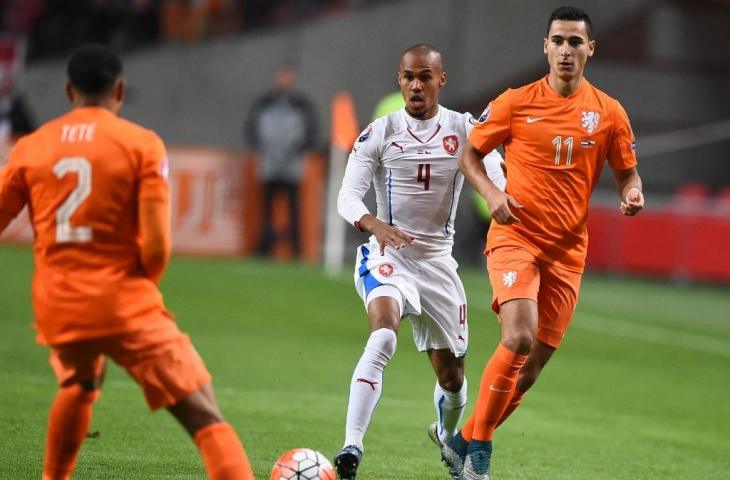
pixel 639 390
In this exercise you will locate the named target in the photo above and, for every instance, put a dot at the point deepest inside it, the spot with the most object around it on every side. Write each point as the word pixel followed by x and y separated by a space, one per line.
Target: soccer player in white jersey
pixel 406 268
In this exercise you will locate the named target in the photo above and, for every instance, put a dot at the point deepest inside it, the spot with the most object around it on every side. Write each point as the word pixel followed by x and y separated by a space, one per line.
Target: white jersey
pixel 413 165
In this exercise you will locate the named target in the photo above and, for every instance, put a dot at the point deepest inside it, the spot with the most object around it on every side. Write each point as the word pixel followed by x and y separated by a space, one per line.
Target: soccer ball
pixel 302 464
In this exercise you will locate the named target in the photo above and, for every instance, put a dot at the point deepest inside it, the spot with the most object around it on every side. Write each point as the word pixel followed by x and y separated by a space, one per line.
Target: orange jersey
pixel 555 148
pixel 82 176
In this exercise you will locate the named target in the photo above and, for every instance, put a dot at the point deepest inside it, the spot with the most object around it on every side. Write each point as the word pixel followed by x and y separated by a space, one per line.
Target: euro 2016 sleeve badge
pixel 589 121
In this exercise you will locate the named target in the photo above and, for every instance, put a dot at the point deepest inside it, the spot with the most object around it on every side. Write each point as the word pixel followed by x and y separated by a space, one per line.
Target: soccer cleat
pixel 433 434
pixel 346 462
pixel 476 466
pixel 453 453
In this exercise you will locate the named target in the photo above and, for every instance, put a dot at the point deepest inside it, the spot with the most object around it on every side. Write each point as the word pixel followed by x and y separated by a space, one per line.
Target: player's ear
pixel 120 89
pixel 591 48
pixel 544 45
pixel 443 79
pixel 70 92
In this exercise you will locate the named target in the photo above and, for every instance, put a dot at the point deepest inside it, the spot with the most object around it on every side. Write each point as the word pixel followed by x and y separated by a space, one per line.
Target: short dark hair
pixel 93 69
pixel 574 14
pixel 422 48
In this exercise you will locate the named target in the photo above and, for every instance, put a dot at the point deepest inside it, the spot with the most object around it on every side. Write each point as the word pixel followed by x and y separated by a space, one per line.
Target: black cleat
pixel 346 462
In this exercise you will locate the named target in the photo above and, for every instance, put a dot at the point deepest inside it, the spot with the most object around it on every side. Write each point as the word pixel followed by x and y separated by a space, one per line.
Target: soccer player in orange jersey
pixel 557 134
pixel 97 192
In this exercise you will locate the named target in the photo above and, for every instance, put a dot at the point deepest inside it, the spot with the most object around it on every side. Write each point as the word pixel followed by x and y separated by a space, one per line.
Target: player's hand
pixel 633 203
pixel 391 236
pixel 500 203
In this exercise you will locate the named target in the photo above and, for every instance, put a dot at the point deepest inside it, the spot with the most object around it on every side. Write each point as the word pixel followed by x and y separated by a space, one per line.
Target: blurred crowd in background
pixel 54 27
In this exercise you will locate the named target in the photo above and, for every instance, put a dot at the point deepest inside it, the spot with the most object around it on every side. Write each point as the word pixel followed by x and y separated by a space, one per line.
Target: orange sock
pixel 68 423
pixel 223 453
pixel 495 391
pixel 468 428
pixel 513 404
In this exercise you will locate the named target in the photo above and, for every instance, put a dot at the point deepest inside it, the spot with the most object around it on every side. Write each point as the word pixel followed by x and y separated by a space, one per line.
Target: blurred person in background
pixel 15 117
pixel 281 130
pixel 558 133
pixel 406 269
pixel 99 201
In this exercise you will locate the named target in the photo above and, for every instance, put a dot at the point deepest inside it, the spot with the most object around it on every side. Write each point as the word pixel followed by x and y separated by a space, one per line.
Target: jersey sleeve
pixel 153 183
pixel 622 150
pixel 493 165
pixel 361 164
pixel 493 126
pixel 13 190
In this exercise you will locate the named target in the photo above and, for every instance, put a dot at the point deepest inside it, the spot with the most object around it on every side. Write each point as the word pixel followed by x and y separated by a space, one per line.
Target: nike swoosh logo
pixel 491 387
pixel 534 119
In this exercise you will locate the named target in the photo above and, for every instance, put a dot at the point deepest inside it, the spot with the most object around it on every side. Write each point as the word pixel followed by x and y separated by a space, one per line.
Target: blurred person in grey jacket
pixel 282 130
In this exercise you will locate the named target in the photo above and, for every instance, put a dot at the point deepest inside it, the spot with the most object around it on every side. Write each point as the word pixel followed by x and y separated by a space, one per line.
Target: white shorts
pixel 433 295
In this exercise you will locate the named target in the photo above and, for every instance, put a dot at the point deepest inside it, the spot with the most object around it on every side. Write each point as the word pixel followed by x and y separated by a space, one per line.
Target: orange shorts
pixel 514 273
pixel 158 356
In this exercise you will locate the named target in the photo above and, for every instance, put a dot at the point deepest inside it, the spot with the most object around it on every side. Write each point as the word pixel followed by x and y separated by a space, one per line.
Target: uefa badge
pixel 485 114
pixel 386 269
pixel 451 144
pixel 365 134
pixel 589 121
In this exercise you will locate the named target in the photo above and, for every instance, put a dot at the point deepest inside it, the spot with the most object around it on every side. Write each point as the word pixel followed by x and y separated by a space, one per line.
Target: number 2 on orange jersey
pixel 64 231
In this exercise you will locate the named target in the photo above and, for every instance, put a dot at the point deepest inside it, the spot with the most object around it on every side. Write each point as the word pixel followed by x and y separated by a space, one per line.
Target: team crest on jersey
pixel 386 269
pixel 509 278
pixel 451 144
pixel 365 134
pixel 485 114
pixel 590 120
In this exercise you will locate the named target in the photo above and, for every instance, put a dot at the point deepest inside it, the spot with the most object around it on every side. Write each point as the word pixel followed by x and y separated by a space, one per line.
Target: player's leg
pixel 540 354
pixel 449 394
pixel 515 278
pixel 556 303
pixel 217 441
pixel 384 307
pixel 80 372
pixel 442 331
pixel 172 375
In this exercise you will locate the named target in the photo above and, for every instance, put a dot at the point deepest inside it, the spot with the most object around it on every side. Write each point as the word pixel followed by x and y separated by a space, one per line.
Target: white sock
pixel 367 383
pixel 449 408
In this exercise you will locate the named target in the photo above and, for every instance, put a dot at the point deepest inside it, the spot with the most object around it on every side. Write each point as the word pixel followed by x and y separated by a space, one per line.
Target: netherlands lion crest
pixel 589 121
pixel 451 144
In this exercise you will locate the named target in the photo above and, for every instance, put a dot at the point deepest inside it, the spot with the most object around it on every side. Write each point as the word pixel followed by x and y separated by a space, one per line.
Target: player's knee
pixel 453 382
pixel 518 341
pixel 197 411
pixel 383 343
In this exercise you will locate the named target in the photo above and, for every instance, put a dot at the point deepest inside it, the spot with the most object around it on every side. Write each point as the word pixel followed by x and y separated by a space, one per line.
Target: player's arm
pixel 629 186
pixel 358 175
pixel 12 190
pixel 622 159
pixel 155 237
pixel 473 168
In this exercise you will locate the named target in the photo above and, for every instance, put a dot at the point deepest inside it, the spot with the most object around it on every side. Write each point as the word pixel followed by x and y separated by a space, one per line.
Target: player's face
pixel 567 48
pixel 420 78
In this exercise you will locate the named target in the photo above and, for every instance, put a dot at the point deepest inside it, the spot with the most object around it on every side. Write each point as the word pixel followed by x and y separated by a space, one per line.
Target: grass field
pixel 639 390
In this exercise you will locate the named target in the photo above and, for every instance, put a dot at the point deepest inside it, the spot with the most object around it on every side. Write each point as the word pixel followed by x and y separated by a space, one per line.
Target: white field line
pixel 647 333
